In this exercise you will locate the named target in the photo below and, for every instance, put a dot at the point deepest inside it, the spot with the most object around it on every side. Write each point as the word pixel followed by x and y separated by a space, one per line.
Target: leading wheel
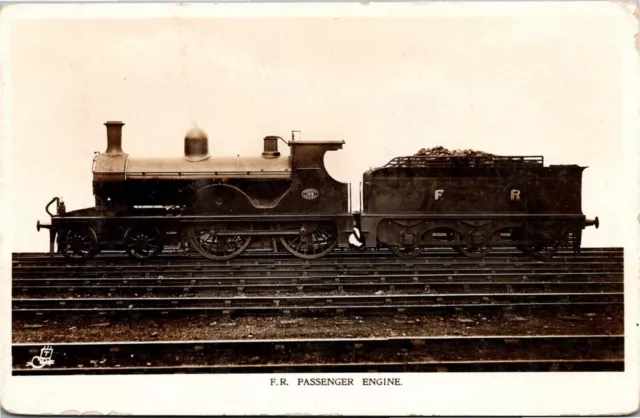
pixel 143 243
pixel 312 241
pixel 78 243
pixel 218 242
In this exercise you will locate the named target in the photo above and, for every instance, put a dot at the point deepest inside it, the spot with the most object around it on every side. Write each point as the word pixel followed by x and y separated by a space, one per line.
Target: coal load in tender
pixel 441 151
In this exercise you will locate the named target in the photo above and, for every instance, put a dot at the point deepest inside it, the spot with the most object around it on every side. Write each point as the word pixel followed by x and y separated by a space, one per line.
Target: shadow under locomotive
pixel 222 206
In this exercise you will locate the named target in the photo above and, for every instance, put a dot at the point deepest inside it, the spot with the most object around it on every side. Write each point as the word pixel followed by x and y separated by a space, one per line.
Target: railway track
pixel 67 289
pixel 176 255
pixel 362 267
pixel 251 271
pixel 344 282
pixel 42 263
pixel 318 305
pixel 415 354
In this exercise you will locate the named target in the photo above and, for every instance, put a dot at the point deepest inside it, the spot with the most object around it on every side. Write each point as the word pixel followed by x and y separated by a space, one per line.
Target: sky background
pixel 507 85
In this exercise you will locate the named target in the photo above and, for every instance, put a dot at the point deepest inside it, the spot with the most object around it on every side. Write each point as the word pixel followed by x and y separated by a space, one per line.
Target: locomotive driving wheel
pixel 313 240
pixel 143 243
pixel 78 243
pixel 218 242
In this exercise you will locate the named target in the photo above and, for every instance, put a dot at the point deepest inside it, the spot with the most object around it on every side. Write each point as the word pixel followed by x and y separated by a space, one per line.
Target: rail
pixel 399 354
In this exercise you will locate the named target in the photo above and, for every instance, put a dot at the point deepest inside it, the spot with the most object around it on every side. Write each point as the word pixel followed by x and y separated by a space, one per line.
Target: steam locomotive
pixel 222 206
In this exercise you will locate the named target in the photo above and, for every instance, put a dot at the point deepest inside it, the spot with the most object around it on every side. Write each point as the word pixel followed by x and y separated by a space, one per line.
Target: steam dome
pixel 196 145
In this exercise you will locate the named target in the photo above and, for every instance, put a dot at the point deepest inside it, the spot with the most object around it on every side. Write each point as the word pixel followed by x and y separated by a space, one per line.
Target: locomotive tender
pixel 222 206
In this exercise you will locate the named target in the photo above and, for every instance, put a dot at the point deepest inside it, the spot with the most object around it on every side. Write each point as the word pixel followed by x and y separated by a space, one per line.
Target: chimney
pixel 114 138
pixel 270 147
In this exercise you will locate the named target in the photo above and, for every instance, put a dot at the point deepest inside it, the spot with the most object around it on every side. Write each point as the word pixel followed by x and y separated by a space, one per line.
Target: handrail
pixel 55 199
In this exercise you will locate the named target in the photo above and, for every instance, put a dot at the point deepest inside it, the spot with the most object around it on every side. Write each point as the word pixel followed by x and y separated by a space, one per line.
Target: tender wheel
pixel 546 243
pixel 543 252
pixel 471 250
pixel 405 252
pixel 78 244
pixel 142 244
pixel 217 242
pixel 530 249
pixel 313 241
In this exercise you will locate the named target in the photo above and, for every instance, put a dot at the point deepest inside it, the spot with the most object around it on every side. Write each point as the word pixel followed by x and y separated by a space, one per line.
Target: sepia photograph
pixel 324 208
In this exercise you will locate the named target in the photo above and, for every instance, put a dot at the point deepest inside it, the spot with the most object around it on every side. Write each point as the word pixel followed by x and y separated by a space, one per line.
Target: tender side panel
pixel 557 189
pixel 474 202
pixel 496 190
